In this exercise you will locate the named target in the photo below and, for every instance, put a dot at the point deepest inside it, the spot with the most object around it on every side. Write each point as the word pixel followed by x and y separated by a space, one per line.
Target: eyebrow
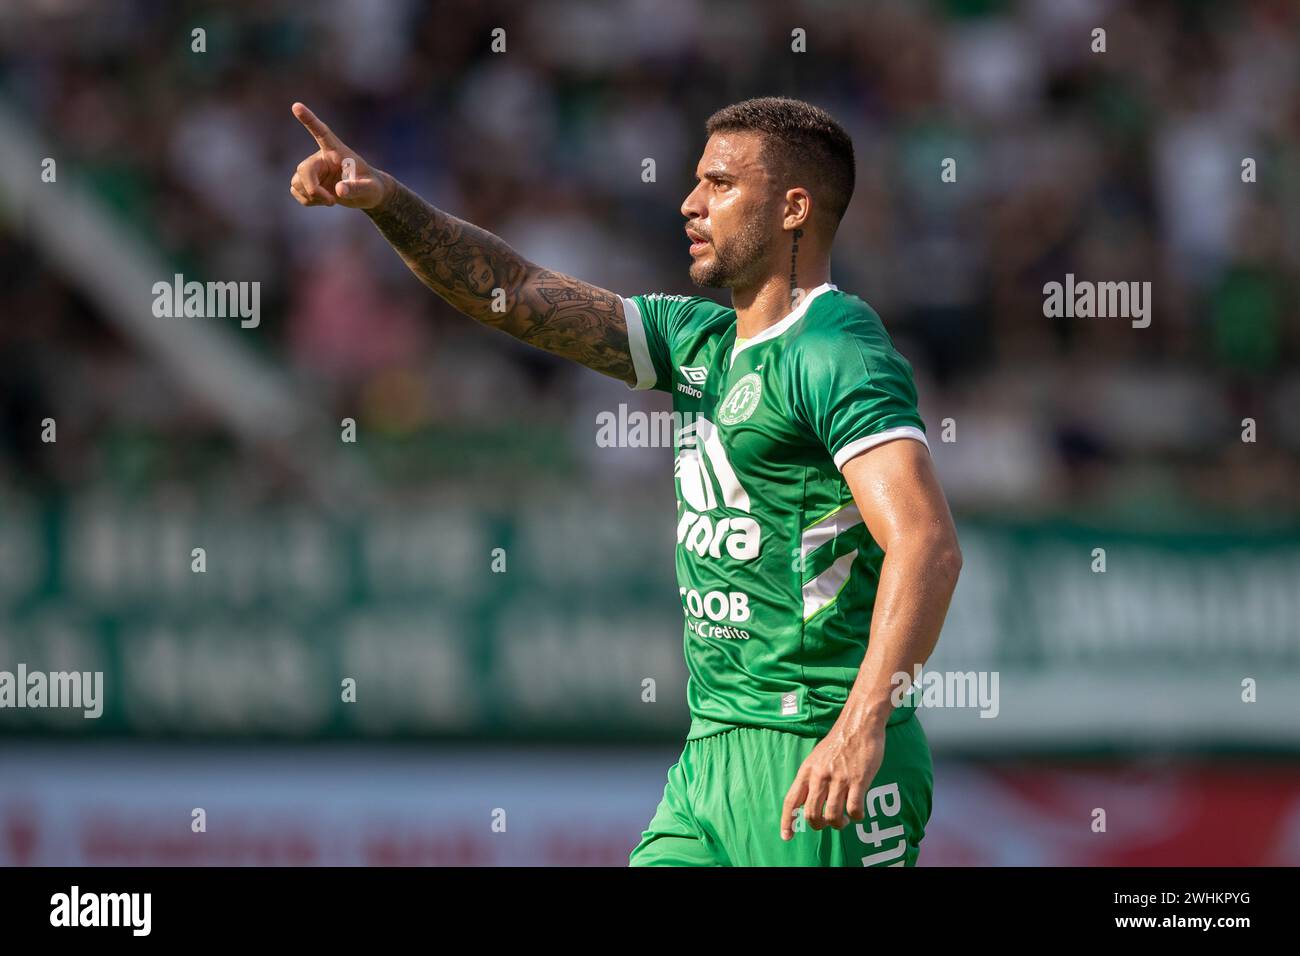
pixel 717 176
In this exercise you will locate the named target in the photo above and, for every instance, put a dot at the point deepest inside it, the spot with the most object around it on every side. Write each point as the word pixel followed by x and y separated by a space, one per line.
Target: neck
pixel 771 300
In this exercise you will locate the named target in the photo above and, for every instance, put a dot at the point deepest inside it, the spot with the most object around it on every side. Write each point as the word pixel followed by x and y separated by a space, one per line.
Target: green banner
pixel 558 618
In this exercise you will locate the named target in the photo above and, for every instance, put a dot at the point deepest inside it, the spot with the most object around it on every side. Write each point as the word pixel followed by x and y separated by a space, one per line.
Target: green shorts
pixel 722 805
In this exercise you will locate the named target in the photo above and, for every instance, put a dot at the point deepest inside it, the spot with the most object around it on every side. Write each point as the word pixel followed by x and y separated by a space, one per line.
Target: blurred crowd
pixel 1122 165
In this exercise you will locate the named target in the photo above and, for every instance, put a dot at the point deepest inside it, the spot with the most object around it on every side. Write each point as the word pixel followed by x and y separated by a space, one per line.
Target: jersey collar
pixel 772 331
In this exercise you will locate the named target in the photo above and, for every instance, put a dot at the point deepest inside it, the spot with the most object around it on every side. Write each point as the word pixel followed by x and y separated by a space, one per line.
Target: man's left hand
pixel 832 782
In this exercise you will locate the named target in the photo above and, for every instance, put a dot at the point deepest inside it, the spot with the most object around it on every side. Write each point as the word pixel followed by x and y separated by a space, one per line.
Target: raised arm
pixel 466 265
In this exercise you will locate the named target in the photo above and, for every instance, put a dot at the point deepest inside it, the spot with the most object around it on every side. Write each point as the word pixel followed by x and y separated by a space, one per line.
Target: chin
pixel 705 274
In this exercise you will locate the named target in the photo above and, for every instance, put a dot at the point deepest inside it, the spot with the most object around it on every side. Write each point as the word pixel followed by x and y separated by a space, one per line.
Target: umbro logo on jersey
pixel 695 375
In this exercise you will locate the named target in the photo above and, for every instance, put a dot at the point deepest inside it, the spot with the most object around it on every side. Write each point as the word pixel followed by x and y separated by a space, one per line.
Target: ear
pixel 798 209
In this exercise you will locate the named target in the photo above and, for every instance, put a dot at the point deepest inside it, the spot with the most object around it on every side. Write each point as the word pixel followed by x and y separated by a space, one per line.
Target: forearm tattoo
pixel 466 265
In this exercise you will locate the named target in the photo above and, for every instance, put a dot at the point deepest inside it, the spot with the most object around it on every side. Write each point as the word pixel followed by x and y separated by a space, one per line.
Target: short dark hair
pixel 804 143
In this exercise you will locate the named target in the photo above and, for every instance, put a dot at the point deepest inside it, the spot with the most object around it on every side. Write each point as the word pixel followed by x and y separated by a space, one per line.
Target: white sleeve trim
pixel 636 343
pixel 855 448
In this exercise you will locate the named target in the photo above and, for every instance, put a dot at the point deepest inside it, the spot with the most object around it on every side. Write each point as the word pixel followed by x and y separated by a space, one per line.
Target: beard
pixel 736 263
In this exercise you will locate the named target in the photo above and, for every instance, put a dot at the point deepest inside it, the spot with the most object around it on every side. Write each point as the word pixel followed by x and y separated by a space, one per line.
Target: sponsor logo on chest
pixel 706 482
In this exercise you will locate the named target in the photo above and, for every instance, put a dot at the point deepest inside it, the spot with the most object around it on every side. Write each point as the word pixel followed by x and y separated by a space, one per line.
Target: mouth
pixel 698 242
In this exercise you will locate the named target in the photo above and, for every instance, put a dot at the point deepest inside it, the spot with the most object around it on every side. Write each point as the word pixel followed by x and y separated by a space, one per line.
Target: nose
pixel 692 206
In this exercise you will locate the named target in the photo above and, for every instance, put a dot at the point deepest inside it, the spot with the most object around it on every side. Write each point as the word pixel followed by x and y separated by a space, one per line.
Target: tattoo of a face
pixel 467 266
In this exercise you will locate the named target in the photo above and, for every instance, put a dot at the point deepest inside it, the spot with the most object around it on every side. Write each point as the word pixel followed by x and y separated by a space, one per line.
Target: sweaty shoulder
pixel 850 388
pixel 665 331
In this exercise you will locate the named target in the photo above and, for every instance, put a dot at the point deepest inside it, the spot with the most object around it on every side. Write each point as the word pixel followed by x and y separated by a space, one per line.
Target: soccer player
pixel 816 555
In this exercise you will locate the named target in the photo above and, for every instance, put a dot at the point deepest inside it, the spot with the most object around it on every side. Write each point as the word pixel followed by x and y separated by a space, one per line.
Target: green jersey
pixel 776 568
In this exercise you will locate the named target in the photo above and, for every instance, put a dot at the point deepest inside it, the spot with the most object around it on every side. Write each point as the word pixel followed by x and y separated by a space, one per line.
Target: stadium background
pixel 523 690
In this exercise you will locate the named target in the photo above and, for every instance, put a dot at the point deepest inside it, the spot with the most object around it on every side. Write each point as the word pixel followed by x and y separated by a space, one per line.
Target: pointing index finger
pixel 324 137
